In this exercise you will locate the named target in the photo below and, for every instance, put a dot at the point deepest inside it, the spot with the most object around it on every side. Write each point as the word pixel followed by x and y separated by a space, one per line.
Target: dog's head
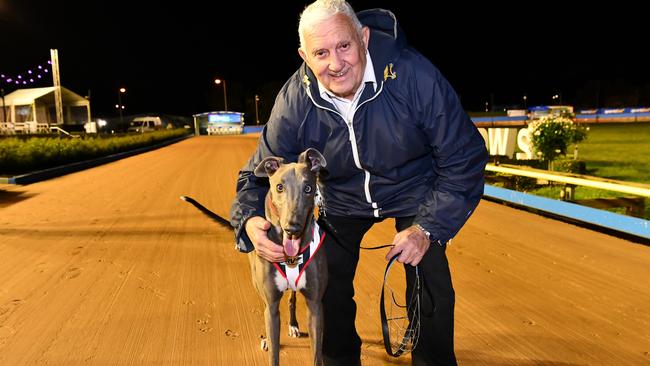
pixel 291 192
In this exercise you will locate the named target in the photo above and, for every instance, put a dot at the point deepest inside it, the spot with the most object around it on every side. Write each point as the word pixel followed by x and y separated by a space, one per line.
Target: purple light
pixel 24 82
pixel 39 76
pixel 17 82
pixel 20 76
pixel 49 62
pixel 3 76
pixel 9 80
pixel 45 70
pixel 29 71
pixel 40 67
pixel 31 80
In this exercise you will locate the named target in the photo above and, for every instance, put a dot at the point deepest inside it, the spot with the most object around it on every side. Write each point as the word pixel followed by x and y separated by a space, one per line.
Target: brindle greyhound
pixel 289 207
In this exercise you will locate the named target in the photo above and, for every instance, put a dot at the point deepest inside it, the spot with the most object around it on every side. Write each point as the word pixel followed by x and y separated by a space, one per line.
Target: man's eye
pixel 279 187
pixel 307 188
pixel 345 46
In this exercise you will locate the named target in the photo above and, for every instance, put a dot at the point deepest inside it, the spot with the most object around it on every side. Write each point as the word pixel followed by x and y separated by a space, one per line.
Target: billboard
pixel 226 117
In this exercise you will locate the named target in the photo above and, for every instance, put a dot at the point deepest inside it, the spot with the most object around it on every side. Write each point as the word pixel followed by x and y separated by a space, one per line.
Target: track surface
pixel 108 267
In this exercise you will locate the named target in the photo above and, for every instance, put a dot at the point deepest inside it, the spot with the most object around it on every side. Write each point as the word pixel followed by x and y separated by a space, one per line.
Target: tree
pixel 552 134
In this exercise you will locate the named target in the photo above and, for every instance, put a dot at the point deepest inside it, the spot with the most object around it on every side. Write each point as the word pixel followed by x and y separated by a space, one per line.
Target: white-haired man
pixel 398 144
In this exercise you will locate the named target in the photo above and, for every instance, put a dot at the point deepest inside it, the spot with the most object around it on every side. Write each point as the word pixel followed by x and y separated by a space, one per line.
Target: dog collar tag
pixel 292 262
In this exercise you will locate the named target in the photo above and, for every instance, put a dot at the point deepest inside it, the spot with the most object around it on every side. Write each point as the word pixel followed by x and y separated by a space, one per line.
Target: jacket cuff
pixel 242 242
pixel 435 237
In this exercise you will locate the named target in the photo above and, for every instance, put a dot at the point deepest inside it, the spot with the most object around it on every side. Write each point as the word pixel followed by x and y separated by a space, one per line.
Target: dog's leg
pixel 316 330
pixel 294 331
pixel 272 319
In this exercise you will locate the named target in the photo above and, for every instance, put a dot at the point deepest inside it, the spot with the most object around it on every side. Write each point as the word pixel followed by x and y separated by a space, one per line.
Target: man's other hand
pixel 411 244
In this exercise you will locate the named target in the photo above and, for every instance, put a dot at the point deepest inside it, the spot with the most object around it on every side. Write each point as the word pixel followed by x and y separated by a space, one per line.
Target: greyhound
pixel 289 207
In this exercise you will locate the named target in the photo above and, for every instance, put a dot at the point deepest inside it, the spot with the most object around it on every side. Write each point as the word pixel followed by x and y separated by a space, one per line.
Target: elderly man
pixel 398 144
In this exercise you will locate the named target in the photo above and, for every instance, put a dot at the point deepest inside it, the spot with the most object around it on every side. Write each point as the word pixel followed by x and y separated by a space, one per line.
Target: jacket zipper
pixel 353 144
pixel 366 183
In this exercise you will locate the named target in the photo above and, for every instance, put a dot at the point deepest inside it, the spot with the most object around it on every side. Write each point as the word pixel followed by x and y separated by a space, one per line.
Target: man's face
pixel 336 54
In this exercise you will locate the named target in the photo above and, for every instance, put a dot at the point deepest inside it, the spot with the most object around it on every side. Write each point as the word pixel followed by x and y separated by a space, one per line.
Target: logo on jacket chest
pixel 389 73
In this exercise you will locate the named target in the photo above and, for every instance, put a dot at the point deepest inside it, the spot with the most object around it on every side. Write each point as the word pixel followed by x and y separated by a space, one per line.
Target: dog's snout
pixel 293 230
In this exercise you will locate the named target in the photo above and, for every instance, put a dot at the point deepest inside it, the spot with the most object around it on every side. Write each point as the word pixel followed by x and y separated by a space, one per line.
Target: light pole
pixel 257 117
pixel 4 109
pixel 525 99
pixel 225 95
pixel 119 105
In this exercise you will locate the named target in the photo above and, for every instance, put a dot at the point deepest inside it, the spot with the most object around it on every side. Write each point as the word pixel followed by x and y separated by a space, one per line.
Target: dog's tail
pixel 218 219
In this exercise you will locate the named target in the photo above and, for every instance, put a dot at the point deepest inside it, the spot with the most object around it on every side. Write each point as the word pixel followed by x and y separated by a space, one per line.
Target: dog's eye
pixel 307 188
pixel 279 187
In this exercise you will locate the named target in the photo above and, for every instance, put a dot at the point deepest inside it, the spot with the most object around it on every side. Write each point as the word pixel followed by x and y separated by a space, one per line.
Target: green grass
pixel 617 151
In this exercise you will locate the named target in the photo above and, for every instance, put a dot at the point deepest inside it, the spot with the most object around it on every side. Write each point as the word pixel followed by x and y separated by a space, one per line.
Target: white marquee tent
pixel 32 110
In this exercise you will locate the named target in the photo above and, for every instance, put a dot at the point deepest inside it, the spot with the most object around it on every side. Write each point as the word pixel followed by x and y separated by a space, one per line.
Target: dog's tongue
pixel 291 245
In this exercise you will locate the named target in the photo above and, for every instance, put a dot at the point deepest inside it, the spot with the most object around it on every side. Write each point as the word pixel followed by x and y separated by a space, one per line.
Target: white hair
pixel 322 10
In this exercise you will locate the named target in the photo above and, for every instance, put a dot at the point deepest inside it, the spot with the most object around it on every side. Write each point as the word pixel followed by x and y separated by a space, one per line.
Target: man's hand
pixel 257 228
pixel 412 243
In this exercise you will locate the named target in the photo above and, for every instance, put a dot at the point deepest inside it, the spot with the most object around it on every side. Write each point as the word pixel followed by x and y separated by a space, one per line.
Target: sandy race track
pixel 108 267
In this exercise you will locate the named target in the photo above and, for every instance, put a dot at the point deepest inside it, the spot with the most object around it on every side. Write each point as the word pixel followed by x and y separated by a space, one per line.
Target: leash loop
pixel 412 331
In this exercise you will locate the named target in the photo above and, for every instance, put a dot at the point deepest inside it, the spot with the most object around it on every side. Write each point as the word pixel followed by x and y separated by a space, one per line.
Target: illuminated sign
pixel 506 141
pixel 225 118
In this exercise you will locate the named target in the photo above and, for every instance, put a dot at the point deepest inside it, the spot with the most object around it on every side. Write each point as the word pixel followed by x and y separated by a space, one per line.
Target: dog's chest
pixel 282 283
pixel 295 277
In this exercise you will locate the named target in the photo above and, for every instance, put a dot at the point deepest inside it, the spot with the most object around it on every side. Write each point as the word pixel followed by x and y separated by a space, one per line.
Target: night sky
pixel 168 55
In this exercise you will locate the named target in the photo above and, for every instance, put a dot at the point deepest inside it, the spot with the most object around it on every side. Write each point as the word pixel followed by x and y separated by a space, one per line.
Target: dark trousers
pixel 341 343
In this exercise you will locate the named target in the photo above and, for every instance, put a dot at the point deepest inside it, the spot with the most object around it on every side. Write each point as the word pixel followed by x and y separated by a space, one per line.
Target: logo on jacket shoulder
pixel 389 73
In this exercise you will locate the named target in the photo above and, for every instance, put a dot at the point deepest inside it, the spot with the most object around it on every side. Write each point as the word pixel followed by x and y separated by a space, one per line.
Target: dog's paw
pixel 264 344
pixel 294 332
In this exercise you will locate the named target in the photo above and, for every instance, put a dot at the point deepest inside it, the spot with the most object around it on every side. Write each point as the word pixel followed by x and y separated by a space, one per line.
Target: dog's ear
pixel 313 158
pixel 268 166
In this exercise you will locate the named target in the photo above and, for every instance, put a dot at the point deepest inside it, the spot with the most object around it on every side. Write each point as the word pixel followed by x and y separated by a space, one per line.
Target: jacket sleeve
pixel 459 155
pixel 276 139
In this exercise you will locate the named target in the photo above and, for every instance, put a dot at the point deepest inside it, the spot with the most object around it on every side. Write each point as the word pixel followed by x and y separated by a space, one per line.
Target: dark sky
pixel 168 55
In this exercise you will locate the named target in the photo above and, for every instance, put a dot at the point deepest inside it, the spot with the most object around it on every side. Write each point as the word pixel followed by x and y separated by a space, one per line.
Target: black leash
pixel 218 219
pixel 322 221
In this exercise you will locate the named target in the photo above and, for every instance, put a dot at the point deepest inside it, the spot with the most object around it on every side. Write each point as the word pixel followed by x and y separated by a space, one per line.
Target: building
pixel 219 123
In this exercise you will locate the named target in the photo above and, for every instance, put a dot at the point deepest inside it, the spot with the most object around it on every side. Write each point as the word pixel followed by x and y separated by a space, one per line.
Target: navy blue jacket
pixel 410 150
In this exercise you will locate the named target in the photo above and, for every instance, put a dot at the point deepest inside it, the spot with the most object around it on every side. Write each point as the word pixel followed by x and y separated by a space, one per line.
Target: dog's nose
pixel 293 230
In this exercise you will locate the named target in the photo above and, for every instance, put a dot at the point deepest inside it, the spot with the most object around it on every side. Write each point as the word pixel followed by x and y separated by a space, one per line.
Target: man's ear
pixel 302 54
pixel 268 166
pixel 365 34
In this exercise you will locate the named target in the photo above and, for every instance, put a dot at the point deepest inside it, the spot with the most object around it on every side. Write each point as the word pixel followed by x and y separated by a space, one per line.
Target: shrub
pixel 551 135
pixel 36 153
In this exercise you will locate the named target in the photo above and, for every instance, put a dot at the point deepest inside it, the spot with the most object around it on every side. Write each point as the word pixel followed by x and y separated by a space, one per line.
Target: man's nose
pixel 336 63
